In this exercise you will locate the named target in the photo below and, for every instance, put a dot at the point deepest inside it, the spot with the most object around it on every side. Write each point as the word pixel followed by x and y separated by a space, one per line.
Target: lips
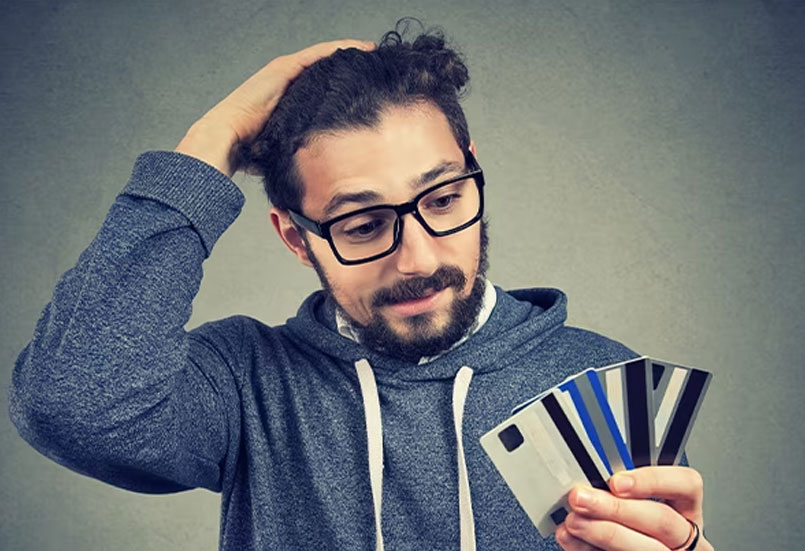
pixel 416 306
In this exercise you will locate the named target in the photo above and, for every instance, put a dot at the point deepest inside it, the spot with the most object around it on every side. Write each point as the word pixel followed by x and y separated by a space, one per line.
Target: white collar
pixel 345 328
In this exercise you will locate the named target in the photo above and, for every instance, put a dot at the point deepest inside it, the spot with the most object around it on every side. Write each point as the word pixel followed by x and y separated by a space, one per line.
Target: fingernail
pixel 583 498
pixel 576 522
pixel 623 483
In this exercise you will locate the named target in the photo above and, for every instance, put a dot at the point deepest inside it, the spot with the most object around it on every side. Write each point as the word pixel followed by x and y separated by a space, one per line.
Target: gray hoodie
pixel 314 441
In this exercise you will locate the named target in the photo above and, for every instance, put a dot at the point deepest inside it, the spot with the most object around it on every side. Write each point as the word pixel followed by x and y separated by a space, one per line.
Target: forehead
pixel 407 142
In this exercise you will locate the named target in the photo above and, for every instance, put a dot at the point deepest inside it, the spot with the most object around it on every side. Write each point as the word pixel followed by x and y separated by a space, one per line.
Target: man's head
pixel 349 90
pixel 360 129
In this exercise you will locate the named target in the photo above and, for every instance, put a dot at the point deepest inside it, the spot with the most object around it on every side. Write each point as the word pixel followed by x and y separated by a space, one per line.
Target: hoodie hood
pixel 520 317
pixel 517 322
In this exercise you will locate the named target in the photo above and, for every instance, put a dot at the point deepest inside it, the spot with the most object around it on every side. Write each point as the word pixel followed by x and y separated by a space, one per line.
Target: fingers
pixel 240 116
pixel 627 520
pixel 569 542
pixel 243 112
pixel 293 64
pixel 313 53
pixel 681 487
pixel 644 518
pixel 609 535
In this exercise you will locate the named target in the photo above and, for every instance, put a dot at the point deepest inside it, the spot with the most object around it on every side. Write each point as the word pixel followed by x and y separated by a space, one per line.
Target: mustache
pixel 420 287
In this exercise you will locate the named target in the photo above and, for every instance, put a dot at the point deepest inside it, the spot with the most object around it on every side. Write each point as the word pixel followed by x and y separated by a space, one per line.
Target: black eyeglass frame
pixel 322 229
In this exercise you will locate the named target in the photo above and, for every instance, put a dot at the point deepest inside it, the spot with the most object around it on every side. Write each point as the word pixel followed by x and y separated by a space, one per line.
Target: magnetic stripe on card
pixel 573 442
pixel 571 388
pixel 657 371
pixel 638 413
pixel 673 390
pixel 685 411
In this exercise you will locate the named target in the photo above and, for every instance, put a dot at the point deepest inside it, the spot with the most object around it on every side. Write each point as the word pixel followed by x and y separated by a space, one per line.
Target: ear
pixel 287 231
pixel 472 148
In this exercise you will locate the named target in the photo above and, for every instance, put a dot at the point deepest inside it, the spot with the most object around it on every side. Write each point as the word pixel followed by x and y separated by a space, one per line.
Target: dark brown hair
pixel 350 89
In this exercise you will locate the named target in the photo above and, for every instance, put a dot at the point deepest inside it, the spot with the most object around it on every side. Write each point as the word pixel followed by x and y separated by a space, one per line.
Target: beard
pixel 423 339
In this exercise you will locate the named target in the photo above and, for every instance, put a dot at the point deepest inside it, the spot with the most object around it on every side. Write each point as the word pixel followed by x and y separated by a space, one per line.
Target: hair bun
pixel 429 51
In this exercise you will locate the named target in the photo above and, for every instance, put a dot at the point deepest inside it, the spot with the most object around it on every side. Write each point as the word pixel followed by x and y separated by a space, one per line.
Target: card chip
pixel 511 437
pixel 558 516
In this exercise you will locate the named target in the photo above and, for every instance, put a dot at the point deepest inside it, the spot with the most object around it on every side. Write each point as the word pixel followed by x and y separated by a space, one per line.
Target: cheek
pixel 463 250
pixel 358 282
pixel 466 255
pixel 353 286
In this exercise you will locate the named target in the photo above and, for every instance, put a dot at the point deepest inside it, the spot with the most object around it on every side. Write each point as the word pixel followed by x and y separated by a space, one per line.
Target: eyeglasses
pixel 373 232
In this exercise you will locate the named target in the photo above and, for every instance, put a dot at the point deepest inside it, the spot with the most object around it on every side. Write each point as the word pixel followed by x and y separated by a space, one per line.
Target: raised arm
pixel 111 385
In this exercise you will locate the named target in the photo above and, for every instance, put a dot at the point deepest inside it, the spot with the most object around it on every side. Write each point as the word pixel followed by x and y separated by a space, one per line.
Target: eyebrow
pixel 435 172
pixel 367 196
pixel 340 199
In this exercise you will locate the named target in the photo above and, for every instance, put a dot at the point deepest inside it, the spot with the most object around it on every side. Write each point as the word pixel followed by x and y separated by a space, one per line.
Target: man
pixel 356 424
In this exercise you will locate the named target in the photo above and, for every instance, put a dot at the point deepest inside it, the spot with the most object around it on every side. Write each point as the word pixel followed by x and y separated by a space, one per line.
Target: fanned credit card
pixel 592 425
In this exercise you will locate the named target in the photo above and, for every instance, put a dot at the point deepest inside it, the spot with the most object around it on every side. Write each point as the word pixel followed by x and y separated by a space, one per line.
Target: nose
pixel 416 255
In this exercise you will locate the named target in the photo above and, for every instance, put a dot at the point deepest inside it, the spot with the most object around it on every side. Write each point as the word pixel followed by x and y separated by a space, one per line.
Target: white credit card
pixel 542 452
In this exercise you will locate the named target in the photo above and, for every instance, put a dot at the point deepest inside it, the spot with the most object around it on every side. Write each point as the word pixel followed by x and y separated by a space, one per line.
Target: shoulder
pixel 584 349
pixel 571 350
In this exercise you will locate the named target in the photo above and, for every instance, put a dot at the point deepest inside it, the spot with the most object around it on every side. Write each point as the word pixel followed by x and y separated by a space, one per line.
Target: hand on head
pixel 240 116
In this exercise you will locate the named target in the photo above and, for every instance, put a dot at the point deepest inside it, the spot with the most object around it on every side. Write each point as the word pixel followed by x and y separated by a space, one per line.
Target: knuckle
pixel 667 524
pixel 279 61
pixel 570 524
pixel 651 480
pixel 562 537
pixel 696 480
pixel 644 480
pixel 616 507
pixel 608 535
pixel 272 65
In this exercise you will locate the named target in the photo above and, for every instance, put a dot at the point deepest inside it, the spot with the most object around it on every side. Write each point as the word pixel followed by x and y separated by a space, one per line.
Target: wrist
pixel 212 144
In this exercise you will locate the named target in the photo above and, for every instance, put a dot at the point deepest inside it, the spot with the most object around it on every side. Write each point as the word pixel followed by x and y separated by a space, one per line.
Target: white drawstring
pixel 374 436
pixel 461 386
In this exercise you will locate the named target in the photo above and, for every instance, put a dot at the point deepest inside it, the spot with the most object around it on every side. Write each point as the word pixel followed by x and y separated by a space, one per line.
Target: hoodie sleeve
pixel 111 385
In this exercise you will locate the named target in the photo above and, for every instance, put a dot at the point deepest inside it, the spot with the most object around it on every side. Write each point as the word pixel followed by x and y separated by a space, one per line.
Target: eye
pixel 366 230
pixel 444 202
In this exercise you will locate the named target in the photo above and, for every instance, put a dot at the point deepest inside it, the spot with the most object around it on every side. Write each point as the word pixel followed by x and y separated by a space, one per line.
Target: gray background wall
pixel 647 157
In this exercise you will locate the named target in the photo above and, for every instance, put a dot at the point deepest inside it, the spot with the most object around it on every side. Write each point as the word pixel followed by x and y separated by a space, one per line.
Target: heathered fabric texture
pixel 112 386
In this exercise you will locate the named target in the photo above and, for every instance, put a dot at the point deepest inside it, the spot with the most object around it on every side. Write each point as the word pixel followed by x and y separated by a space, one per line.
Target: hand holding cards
pixel 592 425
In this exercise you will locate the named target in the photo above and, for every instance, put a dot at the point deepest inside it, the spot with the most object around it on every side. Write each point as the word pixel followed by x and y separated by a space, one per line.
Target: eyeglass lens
pixel 373 232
